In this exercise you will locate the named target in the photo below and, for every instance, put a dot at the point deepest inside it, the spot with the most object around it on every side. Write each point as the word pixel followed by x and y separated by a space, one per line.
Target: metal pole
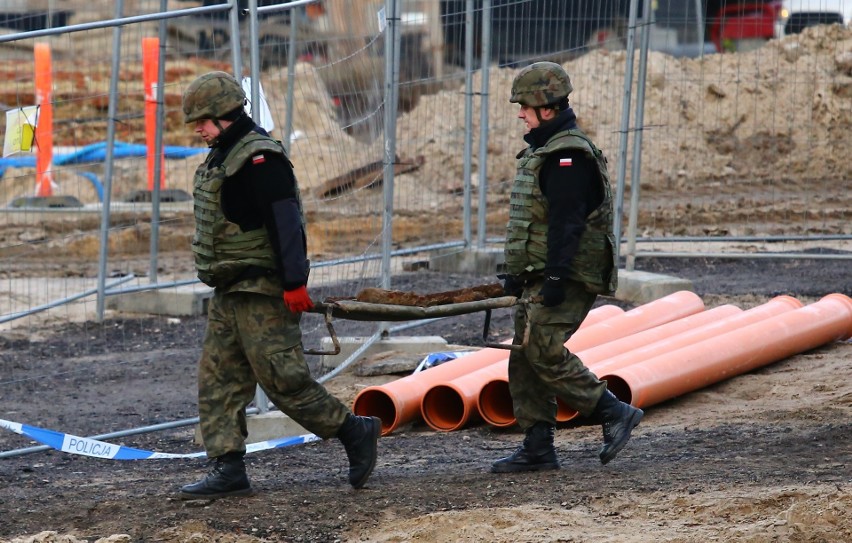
pixel 625 127
pixel 779 256
pixel 483 125
pixel 391 98
pixel 108 168
pixel 158 149
pixel 261 400
pixel 118 21
pixel 392 42
pixel 57 303
pixel 254 59
pixel 699 21
pixel 636 171
pixel 295 20
pixel 236 46
pixel 468 121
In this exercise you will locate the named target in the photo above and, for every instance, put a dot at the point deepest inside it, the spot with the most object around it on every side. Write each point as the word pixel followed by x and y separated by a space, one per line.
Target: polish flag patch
pixel 565 162
pixel 258 159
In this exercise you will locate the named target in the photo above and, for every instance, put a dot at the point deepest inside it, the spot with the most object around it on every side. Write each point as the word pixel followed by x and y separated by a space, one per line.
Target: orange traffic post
pixel 736 352
pixel 398 402
pixel 150 71
pixel 44 126
pixel 450 406
pixel 494 401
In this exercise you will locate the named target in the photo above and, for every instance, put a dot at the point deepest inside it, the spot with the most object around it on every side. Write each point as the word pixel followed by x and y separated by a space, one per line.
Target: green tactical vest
pixel 222 250
pixel 526 232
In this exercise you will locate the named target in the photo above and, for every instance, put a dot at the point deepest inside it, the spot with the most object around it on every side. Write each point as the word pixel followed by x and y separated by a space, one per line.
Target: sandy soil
pixel 763 457
pixel 744 141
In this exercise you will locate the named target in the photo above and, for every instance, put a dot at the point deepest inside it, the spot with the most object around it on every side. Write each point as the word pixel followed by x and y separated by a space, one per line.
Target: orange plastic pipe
pixel 398 402
pixel 494 402
pixel 601 364
pixel 666 309
pixel 44 127
pixel 738 351
pixel 150 67
pixel 450 406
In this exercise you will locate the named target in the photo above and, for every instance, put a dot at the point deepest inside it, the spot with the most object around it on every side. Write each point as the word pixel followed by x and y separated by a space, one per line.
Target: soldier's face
pixel 531 120
pixel 208 130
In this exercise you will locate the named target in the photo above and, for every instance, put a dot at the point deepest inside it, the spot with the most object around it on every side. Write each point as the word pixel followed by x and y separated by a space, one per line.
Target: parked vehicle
pixel 741 25
pixel 524 31
pixel 796 15
pixel 729 25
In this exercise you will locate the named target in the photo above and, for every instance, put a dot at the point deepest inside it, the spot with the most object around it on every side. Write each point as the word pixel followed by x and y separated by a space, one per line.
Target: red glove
pixel 298 300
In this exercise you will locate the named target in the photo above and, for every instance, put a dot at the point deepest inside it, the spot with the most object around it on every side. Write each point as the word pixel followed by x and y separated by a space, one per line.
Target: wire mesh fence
pixel 726 128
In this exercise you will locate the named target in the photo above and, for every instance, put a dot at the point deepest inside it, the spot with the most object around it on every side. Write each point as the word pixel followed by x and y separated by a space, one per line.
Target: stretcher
pixel 354 309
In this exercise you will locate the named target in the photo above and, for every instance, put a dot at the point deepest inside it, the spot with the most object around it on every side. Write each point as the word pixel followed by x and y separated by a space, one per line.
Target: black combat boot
pixel 618 420
pixel 536 454
pixel 360 438
pixel 227 478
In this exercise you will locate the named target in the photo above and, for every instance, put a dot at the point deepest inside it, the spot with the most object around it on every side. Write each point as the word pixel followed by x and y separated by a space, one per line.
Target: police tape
pixel 85 446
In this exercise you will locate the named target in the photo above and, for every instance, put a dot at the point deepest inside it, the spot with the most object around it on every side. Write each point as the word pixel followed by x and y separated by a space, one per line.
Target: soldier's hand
pixel 553 292
pixel 511 285
pixel 297 300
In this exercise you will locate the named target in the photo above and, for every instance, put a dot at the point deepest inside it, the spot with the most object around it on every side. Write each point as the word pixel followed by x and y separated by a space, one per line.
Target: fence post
pixel 639 120
pixel 109 163
pixel 625 129
pixel 483 125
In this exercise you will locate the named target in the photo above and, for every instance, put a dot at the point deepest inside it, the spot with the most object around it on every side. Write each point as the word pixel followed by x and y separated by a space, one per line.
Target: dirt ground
pixel 763 457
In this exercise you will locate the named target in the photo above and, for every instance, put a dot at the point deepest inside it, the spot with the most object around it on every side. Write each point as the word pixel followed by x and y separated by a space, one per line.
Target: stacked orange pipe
pixel 398 402
pixel 494 402
pixel 741 350
pixel 449 406
pixel 602 365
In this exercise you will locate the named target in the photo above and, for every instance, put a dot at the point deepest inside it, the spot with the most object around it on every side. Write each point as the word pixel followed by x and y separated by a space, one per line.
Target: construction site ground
pixel 762 457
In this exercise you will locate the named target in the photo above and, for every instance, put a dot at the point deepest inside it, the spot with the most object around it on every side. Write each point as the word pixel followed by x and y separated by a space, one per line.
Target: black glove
pixel 511 285
pixel 552 292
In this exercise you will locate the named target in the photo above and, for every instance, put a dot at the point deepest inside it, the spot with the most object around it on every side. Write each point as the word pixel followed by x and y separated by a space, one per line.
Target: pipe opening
pixel 495 404
pixel 565 413
pixel 619 388
pixel 444 409
pixel 378 404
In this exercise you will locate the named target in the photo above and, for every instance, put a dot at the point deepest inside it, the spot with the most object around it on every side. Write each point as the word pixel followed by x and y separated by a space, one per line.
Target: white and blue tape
pixel 434 359
pixel 101 449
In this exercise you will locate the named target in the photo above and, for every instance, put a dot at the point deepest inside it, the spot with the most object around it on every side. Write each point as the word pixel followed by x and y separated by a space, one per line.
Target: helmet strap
pixel 538 113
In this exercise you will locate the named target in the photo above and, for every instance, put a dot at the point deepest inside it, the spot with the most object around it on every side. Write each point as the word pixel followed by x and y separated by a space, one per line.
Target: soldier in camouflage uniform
pixel 559 245
pixel 250 245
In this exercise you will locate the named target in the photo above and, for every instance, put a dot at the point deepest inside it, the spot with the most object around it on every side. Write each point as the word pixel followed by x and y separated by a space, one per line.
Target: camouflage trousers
pixel 253 339
pixel 545 369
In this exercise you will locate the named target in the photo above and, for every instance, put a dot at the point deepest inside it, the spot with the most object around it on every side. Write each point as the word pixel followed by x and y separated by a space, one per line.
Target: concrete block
pixel 643 287
pixel 474 261
pixel 266 426
pixel 387 363
pixel 414 346
pixel 178 302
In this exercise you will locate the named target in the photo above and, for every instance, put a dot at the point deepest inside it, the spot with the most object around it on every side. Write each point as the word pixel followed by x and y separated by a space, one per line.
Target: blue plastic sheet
pixel 96 152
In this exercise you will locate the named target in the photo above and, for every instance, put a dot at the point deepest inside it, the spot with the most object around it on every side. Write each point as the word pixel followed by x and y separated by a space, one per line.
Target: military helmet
pixel 212 96
pixel 540 84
